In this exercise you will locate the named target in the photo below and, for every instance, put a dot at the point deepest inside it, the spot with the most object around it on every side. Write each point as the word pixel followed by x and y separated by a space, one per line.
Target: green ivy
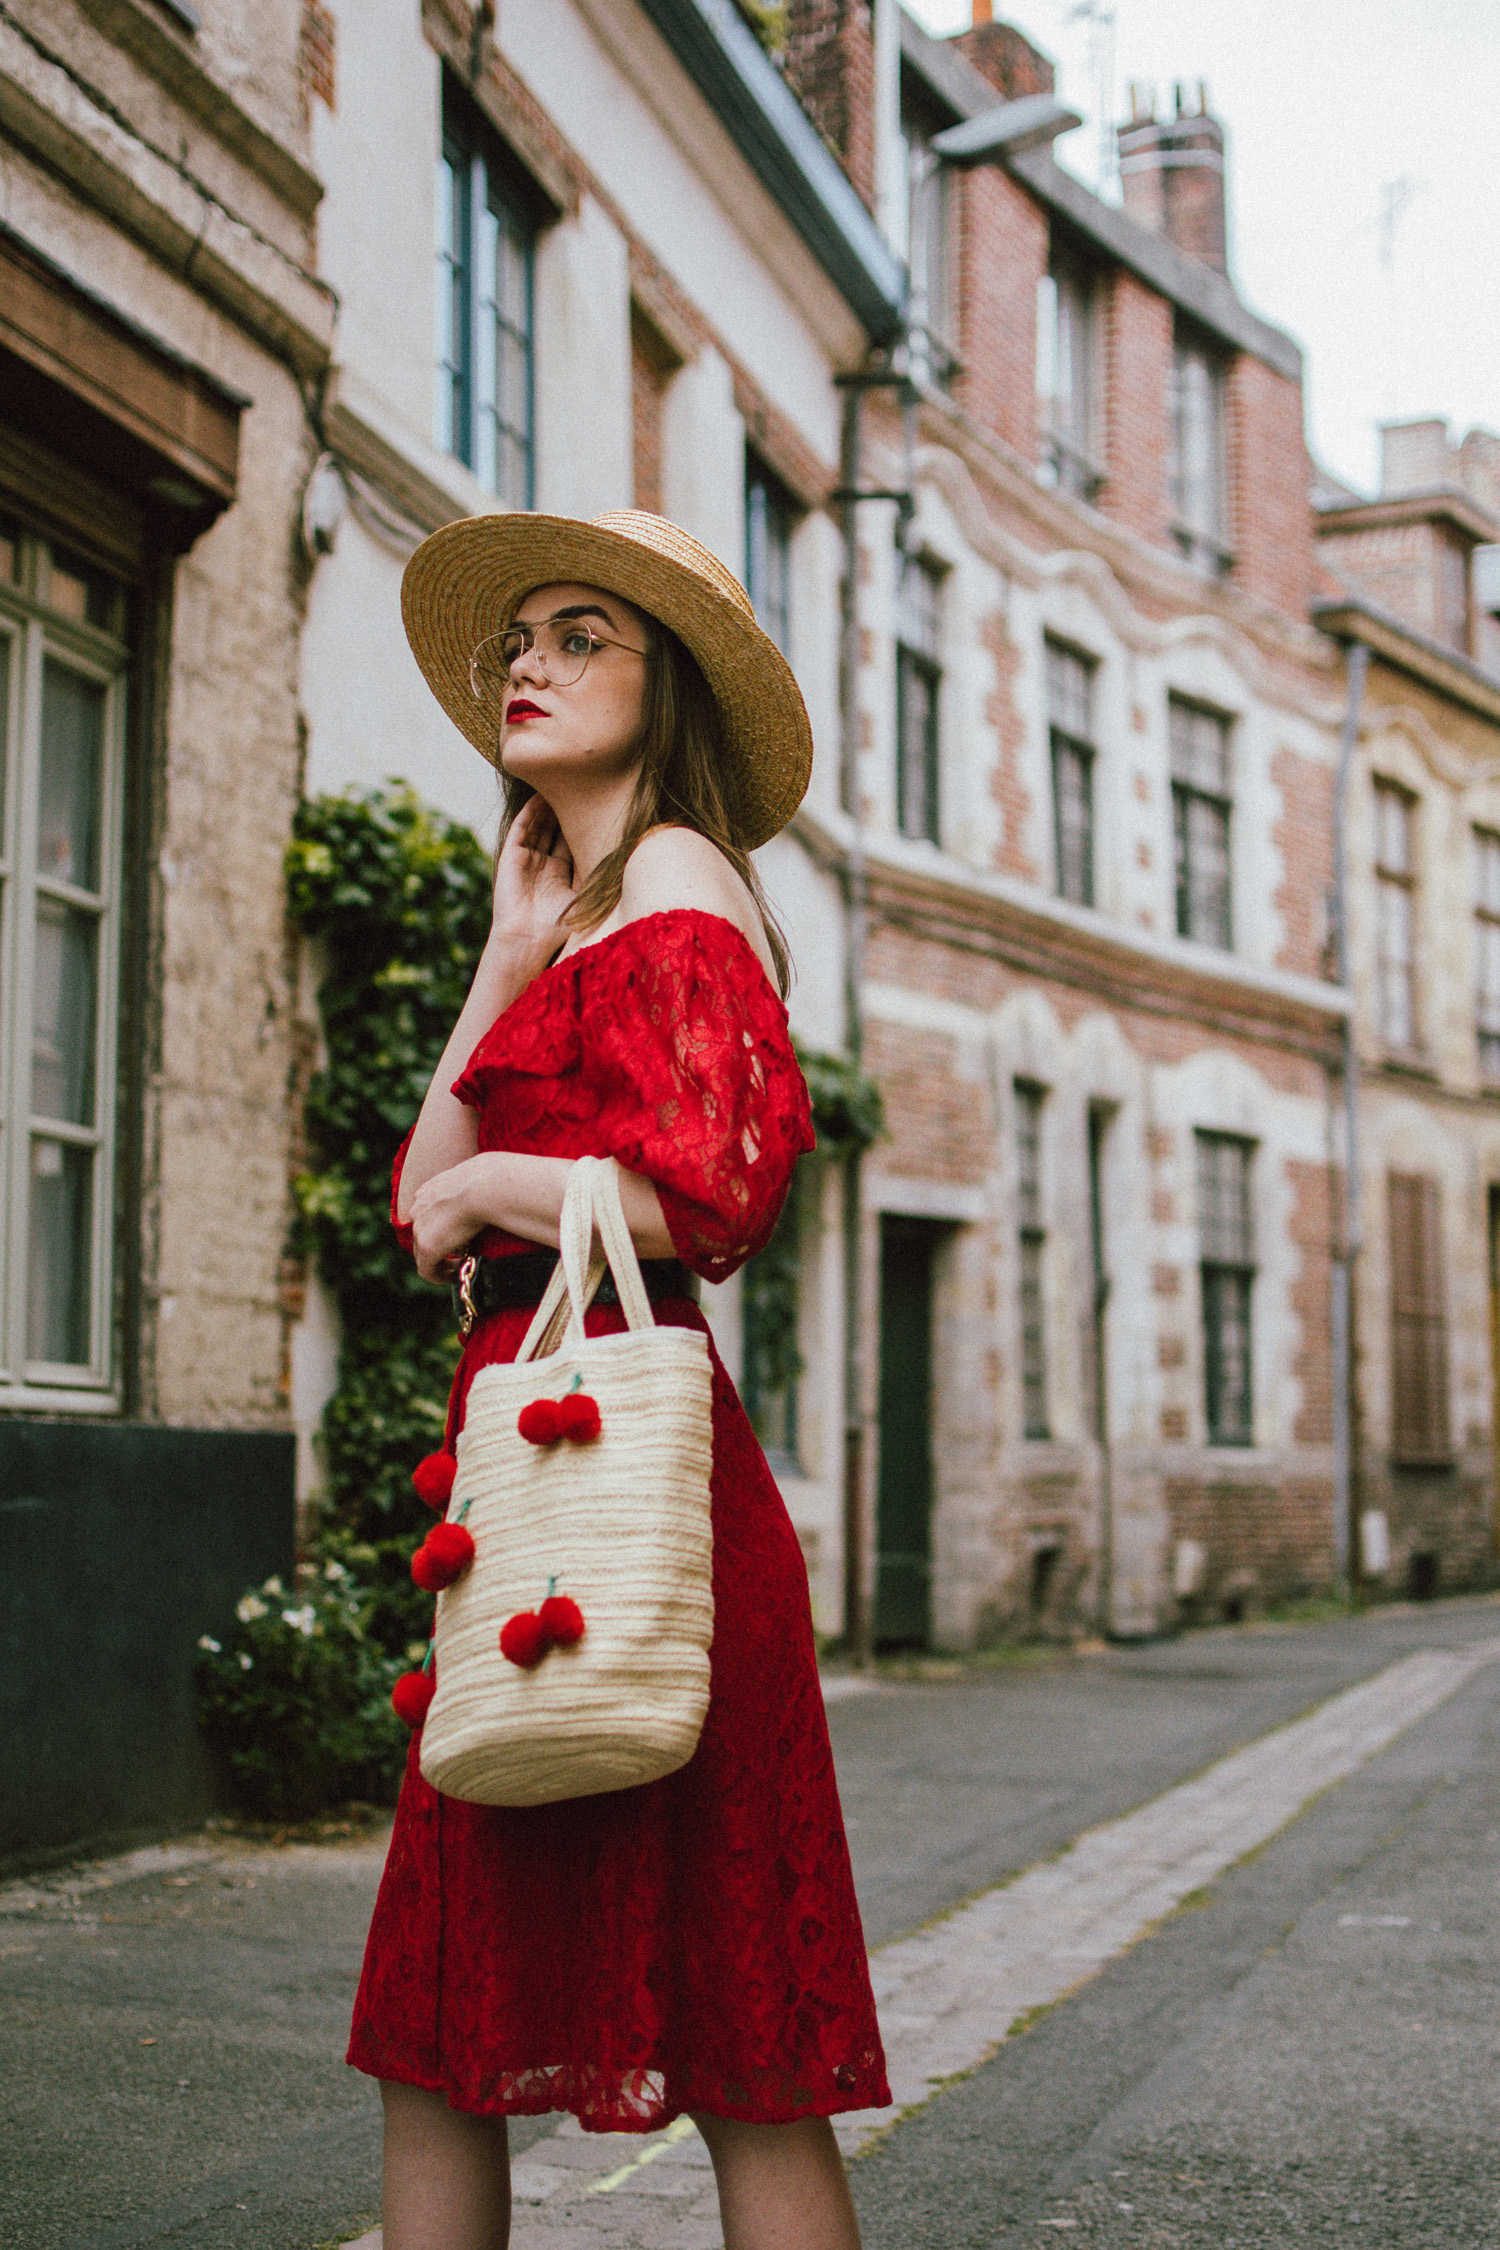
pixel 770 20
pixel 848 1112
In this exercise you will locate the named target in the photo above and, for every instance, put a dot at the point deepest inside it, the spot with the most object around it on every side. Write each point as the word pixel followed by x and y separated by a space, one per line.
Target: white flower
pixel 335 1573
pixel 273 1586
pixel 248 1608
pixel 214 1647
pixel 303 1620
pixel 246 1662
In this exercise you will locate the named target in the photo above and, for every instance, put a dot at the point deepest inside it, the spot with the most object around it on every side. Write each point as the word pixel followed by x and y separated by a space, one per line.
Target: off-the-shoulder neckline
pixel 598 945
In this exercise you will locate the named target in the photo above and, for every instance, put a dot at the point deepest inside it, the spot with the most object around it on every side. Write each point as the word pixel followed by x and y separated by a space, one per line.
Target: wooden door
pixel 903 1567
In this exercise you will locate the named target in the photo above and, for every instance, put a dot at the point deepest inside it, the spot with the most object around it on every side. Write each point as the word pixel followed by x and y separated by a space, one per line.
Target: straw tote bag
pixel 604 1518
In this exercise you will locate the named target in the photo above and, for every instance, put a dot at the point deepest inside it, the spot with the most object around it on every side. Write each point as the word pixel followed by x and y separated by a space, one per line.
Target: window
pixel 1065 377
pixel 1200 817
pixel 1199 466
pixel 770 518
pixel 772 1360
pixel 1226 1247
pixel 919 677
pixel 62 694
pixel 1487 952
pixel 1395 917
pixel 1099 1117
pixel 927 245
pixel 485 235
pixel 1419 1322
pixel 1070 698
pixel 1033 1243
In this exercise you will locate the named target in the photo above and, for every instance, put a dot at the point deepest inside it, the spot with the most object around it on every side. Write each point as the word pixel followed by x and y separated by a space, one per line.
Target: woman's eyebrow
pixel 577 609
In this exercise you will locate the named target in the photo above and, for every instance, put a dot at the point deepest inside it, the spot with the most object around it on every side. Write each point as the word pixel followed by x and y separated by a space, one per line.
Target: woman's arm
pixel 533 889
pixel 452 1199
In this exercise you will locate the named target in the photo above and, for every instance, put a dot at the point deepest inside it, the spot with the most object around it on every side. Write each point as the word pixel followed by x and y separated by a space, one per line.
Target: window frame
pixel 1226 1276
pixel 769 508
pixel 1203 537
pixel 1187 790
pixel 496 187
pixel 1486 920
pixel 1065 742
pixel 1391 881
pixel 1070 457
pixel 1031 1247
pixel 919 655
pixel 40 633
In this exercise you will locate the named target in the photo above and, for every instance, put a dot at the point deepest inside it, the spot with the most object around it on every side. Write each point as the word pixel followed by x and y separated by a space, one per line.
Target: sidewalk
pixel 175 2021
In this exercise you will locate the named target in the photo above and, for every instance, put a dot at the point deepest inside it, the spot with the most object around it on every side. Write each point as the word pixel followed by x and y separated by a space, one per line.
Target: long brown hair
pixel 679 783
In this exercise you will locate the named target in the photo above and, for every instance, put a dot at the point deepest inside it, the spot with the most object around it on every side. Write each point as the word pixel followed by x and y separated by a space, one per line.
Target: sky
pixel 1327 105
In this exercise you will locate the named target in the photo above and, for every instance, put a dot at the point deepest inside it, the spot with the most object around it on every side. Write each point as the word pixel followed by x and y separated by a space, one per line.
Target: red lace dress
pixel 693 1944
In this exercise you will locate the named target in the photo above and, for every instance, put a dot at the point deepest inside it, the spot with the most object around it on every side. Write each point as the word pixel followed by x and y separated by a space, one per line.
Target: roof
pixel 1196 289
pixel 1353 617
pixel 772 131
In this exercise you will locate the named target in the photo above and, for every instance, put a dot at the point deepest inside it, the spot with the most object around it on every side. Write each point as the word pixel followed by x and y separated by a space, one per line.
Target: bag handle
pixel 592 1201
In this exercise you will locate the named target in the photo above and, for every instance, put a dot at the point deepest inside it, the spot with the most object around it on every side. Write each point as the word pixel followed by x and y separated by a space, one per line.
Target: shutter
pixel 1419 1326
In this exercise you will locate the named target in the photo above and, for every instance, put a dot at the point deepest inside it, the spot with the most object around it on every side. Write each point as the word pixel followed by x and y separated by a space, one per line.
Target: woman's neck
pixel 592 818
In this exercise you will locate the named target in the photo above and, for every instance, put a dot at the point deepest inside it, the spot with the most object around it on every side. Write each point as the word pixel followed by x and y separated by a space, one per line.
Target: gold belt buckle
pixel 468 1311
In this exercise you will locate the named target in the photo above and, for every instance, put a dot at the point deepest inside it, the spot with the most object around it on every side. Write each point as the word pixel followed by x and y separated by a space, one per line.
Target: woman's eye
pixel 576 642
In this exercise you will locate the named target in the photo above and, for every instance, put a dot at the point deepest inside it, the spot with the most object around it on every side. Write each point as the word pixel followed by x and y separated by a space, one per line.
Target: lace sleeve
pixel 699 1089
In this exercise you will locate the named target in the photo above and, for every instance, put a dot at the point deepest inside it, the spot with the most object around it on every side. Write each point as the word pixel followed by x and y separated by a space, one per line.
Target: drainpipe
pixel 857 1619
pixel 890 197
pixel 1345 1398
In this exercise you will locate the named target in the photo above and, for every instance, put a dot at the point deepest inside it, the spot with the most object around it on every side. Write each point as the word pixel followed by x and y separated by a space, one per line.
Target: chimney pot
pixel 1172 175
pixel 984 11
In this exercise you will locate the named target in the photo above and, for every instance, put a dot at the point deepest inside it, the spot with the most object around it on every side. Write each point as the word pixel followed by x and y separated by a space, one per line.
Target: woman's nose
pixel 529 665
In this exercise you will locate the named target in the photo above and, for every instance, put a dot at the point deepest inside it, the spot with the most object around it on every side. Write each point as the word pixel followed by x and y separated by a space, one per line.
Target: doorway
pixel 1494 1218
pixel 903 1538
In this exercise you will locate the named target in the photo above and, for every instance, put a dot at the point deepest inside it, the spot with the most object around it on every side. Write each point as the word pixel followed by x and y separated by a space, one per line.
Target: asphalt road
pixel 173 2043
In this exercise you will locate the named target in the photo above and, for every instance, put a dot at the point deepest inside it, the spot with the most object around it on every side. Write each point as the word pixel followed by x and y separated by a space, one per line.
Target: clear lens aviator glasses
pixel 563 646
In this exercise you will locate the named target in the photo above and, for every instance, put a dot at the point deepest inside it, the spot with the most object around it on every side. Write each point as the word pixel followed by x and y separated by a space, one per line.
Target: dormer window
pixel 1199 454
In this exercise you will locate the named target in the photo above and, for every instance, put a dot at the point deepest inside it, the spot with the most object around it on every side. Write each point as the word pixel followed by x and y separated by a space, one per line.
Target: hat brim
pixel 465 581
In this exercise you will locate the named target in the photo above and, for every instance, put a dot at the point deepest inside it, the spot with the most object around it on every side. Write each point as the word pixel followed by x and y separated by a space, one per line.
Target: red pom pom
pixel 433 1479
pixel 538 1422
pixel 578 1417
pixel 411 1695
pixel 561 1620
pixel 445 1554
pixel 522 1640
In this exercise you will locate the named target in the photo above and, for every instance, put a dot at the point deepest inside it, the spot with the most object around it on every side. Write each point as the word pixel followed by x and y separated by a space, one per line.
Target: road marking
pixel 678 2130
pixel 950 1994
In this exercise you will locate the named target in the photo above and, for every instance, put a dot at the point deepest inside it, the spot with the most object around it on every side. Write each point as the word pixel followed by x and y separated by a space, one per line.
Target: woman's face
pixel 592 726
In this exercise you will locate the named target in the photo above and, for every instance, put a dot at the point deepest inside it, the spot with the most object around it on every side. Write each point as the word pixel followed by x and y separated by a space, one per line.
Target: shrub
pixel 297 1705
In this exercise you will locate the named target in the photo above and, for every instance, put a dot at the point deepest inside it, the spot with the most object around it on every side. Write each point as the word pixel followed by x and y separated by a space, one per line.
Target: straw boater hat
pixel 467 580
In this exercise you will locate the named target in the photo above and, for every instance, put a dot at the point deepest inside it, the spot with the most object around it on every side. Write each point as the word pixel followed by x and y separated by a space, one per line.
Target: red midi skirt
pixel 693 1945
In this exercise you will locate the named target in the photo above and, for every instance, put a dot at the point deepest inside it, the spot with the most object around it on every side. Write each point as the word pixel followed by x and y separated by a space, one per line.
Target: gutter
pixel 1352 618
pixel 772 131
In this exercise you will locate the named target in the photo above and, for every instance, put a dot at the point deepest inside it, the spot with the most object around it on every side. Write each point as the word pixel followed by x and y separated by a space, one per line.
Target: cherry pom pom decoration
pixel 522 1640
pixel 445 1554
pixel 410 1697
pixel 561 1620
pixel 578 1418
pixel 433 1479
pixel 546 1420
pixel 538 1422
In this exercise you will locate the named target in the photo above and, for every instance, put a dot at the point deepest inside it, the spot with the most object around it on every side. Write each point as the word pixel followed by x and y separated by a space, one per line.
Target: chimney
pixel 1172 173
pixel 829 63
pixel 1414 457
pixel 1005 56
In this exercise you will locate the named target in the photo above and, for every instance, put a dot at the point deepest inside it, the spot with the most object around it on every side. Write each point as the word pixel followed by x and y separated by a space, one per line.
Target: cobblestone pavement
pixel 173 2021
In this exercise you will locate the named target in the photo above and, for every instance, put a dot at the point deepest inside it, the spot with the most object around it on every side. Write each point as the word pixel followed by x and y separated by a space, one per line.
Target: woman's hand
pixel 447 1211
pixel 533 886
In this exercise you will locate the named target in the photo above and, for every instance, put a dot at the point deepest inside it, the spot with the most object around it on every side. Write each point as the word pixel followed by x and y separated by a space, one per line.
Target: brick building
pixel 1410 581
pixel 1092 787
pixel 161 330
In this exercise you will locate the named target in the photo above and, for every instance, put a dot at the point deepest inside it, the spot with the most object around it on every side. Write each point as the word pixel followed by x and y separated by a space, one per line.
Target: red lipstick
pixel 520 709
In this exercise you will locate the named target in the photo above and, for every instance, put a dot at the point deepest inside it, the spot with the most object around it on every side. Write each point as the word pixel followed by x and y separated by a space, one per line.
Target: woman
pixel 694 1945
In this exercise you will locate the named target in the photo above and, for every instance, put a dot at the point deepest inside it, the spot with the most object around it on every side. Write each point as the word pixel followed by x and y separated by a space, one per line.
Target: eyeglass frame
pixel 532 628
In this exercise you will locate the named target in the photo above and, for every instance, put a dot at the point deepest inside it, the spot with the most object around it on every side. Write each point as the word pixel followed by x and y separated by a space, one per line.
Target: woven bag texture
pixel 620 1524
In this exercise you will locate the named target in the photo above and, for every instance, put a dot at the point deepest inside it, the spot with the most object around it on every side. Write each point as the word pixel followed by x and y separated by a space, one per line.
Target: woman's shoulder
pixel 672 869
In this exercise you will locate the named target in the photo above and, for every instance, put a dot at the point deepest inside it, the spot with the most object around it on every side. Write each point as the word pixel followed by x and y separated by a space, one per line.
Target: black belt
pixel 490 1285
